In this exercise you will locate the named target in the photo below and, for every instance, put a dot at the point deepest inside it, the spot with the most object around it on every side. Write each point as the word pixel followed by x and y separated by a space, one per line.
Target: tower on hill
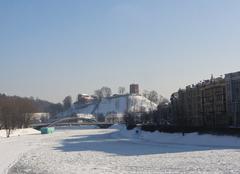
pixel 134 89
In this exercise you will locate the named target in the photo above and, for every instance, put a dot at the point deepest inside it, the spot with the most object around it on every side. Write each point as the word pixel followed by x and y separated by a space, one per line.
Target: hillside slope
pixel 117 104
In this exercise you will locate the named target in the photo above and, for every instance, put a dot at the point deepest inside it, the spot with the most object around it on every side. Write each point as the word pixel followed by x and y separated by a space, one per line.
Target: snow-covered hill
pixel 116 104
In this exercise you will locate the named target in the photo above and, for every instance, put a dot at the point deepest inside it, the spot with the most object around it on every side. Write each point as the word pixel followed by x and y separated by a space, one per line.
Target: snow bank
pixel 19 132
pixel 177 138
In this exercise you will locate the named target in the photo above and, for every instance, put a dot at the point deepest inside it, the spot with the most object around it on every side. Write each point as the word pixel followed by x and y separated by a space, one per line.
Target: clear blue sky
pixel 50 49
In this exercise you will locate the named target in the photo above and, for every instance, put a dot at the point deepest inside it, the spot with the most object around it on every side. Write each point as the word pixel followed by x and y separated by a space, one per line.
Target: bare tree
pixel 15 112
pixel 153 97
pixel 25 112
pixel 8 117
pixel 121 90
pixel 54 109
pixel 145 93
pixel 106 91
pixel 98 93
pixel 134 104
pixel 163 100
pixel 67 102
pixel 103 92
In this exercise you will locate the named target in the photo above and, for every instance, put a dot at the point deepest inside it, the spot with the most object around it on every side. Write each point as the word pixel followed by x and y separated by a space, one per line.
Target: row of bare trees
pixel 154 97
pixel 15 112
pixel 103 92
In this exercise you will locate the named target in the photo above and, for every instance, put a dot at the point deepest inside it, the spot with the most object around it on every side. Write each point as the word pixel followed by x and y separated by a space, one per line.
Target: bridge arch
pixel 72 119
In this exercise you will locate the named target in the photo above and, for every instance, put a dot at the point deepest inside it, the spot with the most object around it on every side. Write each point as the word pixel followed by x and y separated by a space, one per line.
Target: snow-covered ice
pixel 116 150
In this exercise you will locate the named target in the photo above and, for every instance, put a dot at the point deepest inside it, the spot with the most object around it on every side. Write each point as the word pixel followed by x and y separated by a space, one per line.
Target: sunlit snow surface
pixel 118 151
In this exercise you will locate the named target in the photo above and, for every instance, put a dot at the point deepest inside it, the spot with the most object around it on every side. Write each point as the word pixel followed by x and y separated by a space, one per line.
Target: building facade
pixel 214 103
pixel 174 107
pixel 178 107
pixel 233 98
pixel 201 105
pixel 194 105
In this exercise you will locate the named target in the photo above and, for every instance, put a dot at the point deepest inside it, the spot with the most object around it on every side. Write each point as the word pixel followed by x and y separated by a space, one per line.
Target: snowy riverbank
pixel 177 138
pixel 19 132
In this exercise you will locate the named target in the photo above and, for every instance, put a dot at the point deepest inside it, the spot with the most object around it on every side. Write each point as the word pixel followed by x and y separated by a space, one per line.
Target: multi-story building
pixel 203 104
pixel 186 106
pixel 233 97
pixel 174 107
pixel 178 109
pixel 194 107
pixel 214 103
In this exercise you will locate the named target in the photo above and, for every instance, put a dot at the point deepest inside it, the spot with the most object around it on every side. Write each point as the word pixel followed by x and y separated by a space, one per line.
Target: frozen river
pixel 105 151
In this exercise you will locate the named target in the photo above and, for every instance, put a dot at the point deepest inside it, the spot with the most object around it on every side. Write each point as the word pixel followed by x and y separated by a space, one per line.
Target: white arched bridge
pixel 73 121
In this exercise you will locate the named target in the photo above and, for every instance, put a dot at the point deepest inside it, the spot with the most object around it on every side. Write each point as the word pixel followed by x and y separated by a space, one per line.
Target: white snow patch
pixel 19 132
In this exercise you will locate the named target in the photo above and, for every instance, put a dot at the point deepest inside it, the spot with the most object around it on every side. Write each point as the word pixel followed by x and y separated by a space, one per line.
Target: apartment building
pixel 203 104
pixel 214 103
pixel 233 98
